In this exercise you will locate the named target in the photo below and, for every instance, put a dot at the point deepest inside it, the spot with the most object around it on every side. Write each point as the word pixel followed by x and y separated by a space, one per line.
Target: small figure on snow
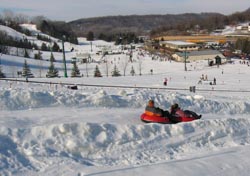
pixel 214 81
pixel 200 81
pixel 206 78
pixel 165 83
pixel 202 77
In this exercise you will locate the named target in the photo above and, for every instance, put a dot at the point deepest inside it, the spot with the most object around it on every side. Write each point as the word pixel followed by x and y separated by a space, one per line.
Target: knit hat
pixel 151 103
pixel 175 106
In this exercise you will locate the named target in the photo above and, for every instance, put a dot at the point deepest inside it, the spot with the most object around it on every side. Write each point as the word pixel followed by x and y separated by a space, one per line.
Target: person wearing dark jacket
pixel 174 108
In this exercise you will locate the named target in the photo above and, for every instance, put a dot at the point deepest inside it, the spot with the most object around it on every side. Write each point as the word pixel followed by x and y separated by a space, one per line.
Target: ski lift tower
pixel 64 59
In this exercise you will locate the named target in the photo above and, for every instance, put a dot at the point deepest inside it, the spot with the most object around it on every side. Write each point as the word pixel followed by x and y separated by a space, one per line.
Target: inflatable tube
pixel 179 116
pixel 186 116
pixel 154 119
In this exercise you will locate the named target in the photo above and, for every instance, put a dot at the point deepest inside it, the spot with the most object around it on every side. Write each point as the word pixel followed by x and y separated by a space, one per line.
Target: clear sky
pixel 68 10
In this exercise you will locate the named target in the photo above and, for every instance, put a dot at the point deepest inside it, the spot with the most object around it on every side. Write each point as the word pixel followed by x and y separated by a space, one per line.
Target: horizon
pixel 70 11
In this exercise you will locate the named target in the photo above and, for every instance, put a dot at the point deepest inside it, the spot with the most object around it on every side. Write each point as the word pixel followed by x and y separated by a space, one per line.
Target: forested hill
pixel 135 23
pixel 141 24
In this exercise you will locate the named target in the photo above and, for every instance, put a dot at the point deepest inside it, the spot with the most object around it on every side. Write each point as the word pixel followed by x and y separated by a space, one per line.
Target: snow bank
pixel 20 99
pixel 93 144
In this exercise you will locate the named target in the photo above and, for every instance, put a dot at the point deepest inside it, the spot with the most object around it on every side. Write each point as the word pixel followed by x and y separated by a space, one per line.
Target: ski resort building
pixel 245 27
pixel 179 45
pixel 82 57
pixel 210 55
pixel 197 38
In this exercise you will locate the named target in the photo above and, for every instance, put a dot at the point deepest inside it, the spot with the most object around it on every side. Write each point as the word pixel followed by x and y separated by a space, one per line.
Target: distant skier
pixel 165 83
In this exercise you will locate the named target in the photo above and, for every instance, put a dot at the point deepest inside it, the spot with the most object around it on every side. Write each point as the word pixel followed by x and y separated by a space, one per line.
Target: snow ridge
pixel 15 99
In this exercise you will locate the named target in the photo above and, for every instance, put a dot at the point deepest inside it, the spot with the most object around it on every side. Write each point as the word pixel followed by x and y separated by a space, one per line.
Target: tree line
pixel 204 21
pixel 7 41
pixel 10 41
pixel 119 39
pixel 243 44
pixel 53 71
pixel 57 29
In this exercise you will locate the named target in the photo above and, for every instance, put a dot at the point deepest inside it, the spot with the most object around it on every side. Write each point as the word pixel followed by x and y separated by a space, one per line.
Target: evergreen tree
pixel 97 72
pixel 38 56
pixel 75 72
pixel 26 54
pixel 52 58
pixel 44 47
pixel 26 71
pixel 2 75
pixel 53 72
pixel 132 72
pixel 43 38
pixel 55 47
pixel 102 36
pixel 116 72
pixel 90 36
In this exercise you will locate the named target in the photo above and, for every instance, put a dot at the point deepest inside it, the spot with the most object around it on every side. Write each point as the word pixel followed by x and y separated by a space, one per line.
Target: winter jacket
pixel 153 111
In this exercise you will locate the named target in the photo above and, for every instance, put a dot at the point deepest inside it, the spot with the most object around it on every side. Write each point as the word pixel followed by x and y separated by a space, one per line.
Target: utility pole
pixel 40 66
pixel 64 59
pixel 88 59
pixel 0 58
pixel 185 59
pixel 91 46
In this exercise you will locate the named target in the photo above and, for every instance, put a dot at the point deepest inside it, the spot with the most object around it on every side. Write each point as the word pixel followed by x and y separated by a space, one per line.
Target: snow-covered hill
pixel 49 129
pixel 11 32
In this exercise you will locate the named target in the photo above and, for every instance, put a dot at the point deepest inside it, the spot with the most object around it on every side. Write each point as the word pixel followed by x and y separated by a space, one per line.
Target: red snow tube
pixel 185 116
pixel 154 119
pixel 179 116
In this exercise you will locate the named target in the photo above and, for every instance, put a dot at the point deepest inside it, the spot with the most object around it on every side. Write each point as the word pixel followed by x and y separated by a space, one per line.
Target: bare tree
pixel 140 64
pixel 87 62
pixel 124 64
pixel 38 20
pixel 8 15
pixel 105 60
pixel 21 18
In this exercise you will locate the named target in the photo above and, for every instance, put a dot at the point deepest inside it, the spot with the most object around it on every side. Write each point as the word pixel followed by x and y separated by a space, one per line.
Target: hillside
pixel 139 24
pixel 155 24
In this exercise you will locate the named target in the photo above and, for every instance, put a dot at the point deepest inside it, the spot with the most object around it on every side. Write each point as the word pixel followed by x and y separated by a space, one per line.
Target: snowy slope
pixel 98 130
pixel 11 32
pixel 48 129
